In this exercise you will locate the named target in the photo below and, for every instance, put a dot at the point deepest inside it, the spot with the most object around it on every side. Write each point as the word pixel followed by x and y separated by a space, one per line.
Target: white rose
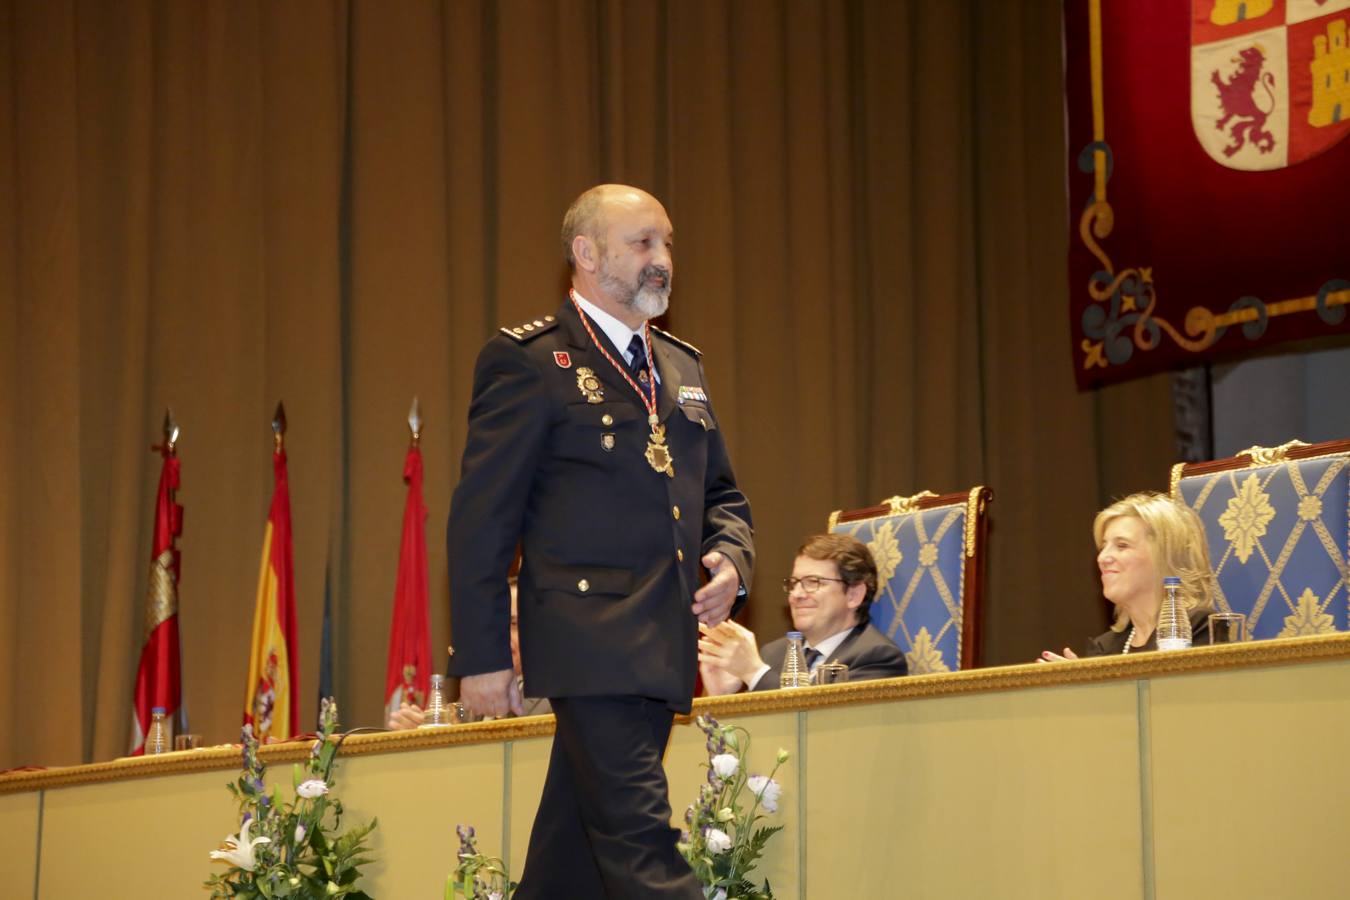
pixel 315 787
pixel 717 841
pixel 766 789
pixel 725 765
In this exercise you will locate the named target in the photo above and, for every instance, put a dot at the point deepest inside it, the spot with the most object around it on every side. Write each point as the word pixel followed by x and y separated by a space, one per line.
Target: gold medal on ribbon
pixel 658 454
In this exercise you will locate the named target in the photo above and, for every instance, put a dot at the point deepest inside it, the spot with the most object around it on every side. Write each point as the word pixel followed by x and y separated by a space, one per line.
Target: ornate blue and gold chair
pixel 929 552
pixel 1278 524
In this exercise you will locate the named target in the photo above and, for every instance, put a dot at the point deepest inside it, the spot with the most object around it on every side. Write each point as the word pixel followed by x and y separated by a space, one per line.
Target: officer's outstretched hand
pixel 493 694
pixel 712 602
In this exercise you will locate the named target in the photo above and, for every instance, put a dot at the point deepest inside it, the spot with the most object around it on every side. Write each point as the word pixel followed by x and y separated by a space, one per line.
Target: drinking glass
pixel 832 673
pixel 1227 628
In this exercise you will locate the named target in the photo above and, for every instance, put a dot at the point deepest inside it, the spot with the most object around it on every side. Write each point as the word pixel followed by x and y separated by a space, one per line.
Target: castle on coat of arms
pixel 1330 76
pixel 1226 12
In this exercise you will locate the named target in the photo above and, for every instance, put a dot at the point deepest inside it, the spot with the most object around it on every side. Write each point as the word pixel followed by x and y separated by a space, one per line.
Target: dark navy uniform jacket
pixel 611 546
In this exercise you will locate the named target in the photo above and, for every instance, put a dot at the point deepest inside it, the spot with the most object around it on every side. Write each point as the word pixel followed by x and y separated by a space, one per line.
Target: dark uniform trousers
pixel 554 461
pixel 603 819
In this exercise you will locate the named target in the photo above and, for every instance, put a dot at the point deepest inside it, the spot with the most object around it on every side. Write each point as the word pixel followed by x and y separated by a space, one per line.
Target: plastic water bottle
pixel 437 711
pixel 795 674
pixel 158 740
pixel 1174 626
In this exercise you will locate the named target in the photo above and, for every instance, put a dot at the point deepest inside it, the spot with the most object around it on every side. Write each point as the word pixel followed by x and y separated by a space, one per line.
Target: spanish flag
pixel 270 702
pixel 159 675
pixel 408 671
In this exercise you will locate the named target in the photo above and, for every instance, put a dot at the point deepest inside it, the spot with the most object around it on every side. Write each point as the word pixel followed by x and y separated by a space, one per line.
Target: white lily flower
pixel 766 789
pixel 725 765
pixel 315 787
pixel 717 841
pixel 238 849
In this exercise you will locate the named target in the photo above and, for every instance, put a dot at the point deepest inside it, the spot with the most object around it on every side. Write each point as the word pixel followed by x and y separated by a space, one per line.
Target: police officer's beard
pixel 648 302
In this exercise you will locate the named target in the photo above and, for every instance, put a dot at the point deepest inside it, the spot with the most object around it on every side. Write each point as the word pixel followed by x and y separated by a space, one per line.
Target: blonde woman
pixel 1141 539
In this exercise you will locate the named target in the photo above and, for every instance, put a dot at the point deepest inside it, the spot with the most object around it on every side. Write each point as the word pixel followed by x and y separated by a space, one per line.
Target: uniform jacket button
pixel 583 585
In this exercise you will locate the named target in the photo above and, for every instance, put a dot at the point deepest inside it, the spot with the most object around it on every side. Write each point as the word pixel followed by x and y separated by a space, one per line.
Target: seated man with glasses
pixel 833 582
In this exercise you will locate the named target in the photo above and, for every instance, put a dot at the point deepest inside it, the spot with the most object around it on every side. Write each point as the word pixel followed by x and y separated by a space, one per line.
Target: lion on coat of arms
pixel 1238 100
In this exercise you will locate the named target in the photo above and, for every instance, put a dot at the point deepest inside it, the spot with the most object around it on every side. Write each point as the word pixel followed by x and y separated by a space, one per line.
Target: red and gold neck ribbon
pixel 648 403
pixel 658 454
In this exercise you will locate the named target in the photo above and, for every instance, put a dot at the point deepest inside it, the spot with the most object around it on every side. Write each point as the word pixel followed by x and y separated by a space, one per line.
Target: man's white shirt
pixel 619 334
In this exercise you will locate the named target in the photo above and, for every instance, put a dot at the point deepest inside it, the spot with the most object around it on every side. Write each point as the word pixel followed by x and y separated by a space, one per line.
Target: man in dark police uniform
pixel 615 482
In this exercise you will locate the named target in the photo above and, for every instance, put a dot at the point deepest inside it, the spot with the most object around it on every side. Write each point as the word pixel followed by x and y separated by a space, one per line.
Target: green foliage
pixel 292 849
pixel 477 877
pixel 724 841
pixel 731 802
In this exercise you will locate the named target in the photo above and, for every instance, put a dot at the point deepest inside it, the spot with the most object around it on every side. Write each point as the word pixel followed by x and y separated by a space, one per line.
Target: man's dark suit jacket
pixel 868 653
pixel 611 547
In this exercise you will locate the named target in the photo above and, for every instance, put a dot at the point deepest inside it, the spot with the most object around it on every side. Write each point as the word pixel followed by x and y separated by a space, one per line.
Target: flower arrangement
pixel 292 849
pixel 724 840
pixel 722 843
pixel 477 877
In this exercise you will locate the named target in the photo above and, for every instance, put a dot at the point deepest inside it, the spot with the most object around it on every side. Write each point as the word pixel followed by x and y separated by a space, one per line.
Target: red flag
pixel 408 673
pixel 159 675
pixel 270 704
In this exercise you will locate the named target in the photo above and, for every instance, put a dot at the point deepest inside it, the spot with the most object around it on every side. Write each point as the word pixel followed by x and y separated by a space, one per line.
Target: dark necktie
pixel 638 351
pixel 812 657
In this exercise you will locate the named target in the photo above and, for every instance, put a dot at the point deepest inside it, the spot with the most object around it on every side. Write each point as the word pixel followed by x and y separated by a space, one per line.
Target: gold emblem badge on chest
pixel 589 385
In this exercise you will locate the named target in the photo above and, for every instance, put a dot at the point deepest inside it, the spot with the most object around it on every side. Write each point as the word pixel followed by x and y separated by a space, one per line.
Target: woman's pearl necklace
pixel 1128 641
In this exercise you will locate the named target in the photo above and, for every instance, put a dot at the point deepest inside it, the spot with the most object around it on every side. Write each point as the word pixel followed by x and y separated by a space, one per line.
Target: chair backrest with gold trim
pixel 1278 524
pixel 929 552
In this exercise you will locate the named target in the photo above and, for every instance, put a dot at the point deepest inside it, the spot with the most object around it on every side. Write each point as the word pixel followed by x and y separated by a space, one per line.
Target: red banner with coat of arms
pixel 1209 179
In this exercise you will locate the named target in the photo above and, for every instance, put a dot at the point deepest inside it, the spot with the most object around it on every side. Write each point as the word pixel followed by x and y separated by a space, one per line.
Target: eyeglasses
pixel 810 584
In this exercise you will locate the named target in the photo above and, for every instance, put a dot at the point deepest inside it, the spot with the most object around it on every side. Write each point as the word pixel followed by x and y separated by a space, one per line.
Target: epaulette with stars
pixel 693 351
pixel 531 329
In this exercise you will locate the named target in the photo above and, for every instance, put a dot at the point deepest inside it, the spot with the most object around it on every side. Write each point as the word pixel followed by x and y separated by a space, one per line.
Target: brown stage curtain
pixel 217 205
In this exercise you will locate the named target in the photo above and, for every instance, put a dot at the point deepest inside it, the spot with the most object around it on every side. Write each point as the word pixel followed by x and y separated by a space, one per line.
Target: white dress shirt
pixel 619 334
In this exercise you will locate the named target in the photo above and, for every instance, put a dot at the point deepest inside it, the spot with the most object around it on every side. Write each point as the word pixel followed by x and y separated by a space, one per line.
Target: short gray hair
pixel 583 217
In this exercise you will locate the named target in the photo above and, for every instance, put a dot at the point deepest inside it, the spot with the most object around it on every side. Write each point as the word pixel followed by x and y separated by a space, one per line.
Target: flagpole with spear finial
pixel 408 667
pixel 415 423
pixel 159 678
pixel 279 427
pixel 270 706
pixel 170 445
